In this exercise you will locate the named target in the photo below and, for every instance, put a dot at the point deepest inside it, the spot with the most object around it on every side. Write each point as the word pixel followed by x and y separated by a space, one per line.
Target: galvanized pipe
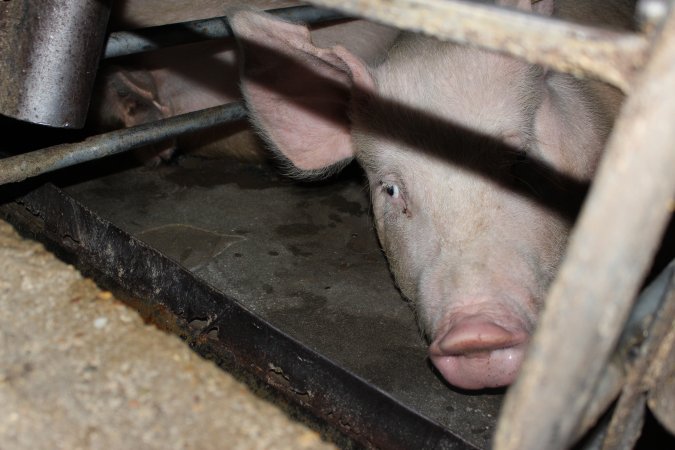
pixel 123 43
pixel 49 52
pixel 20 167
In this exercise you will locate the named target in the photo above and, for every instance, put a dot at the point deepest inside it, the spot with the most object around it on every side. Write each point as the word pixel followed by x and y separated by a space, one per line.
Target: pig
pixel 452 140
pixel 150 86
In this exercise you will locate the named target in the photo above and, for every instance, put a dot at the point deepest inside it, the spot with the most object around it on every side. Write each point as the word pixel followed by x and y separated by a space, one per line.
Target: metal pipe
pixel 20 167
pixel 49 51
pixel 566 47
pixel 123 43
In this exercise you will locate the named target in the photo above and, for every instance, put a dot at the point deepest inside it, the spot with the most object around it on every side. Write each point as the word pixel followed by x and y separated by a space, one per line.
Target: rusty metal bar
pixel 609 253
pixel 123 43
pixel 661 377
pixel 49 51
pixel 581 50
pixel 649 305
pixel 20 167
pixel 626 424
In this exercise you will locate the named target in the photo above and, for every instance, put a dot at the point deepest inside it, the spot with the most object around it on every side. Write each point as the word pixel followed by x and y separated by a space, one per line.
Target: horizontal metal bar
pixel 564 46
pixel 123 43
pixel 18 168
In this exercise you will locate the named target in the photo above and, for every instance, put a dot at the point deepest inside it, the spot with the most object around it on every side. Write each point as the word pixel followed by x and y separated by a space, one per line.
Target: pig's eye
pixel 391 189
pixel 396 196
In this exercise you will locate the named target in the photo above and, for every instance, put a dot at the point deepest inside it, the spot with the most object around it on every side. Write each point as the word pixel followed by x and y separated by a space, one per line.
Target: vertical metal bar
pixel 609 253
pixel 49 52
pixel 628 418
pixel 649 308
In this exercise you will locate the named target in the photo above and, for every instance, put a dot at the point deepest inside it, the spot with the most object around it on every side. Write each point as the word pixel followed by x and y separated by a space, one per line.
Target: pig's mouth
pixel 477 354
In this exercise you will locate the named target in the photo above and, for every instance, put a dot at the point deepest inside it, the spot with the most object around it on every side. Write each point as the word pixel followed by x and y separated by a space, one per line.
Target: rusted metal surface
pixel 581 50
pixel 20 167
pixel 624 429
pixel 49 51
pixel 631 346
pixel 661 374
pixel 123 43
pixel 661 399
pixel 609 253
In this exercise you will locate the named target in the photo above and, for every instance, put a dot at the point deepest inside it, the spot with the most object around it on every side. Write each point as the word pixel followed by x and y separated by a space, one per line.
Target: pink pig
pixel 442 132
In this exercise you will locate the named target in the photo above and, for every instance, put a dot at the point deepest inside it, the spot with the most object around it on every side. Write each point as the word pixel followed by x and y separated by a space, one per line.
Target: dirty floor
pixel 80 370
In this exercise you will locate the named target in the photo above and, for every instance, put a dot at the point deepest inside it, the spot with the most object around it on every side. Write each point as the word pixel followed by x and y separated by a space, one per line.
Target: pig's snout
pixel 476 353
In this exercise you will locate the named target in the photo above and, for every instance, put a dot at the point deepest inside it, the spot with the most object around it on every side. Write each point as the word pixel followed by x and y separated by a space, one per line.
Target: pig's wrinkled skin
pixel 428 125
pixel 171 81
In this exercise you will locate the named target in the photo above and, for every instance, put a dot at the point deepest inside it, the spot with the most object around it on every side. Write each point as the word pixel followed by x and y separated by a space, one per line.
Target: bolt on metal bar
pixel 123 43
pixel 609 253
pixel 20 167
pixel 581 50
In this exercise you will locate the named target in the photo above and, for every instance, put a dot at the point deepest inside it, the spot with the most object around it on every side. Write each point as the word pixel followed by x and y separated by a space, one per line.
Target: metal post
pixel 49 52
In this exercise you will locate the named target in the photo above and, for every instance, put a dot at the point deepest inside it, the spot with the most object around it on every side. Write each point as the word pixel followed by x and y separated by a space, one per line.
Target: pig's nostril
pixel 476 355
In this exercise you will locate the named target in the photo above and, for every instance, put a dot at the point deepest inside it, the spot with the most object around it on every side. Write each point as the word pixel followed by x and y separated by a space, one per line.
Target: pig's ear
pixel 298 94
pixel 132 97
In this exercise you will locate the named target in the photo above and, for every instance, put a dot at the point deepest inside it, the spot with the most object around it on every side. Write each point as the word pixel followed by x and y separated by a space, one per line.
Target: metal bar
pixel 123 43
pixel 49 51
pixel 20 167
pixel 566 47
pixel 661 376
pixel 624 429
pixel 609 252
pixel 649 305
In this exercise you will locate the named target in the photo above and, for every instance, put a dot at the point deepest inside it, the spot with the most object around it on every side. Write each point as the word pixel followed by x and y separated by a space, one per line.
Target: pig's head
pixel 126 98
pixel 438 129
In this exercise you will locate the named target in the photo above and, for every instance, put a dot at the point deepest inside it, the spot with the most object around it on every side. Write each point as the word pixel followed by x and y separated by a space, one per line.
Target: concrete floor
pixel 303 257
pixel 80 370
